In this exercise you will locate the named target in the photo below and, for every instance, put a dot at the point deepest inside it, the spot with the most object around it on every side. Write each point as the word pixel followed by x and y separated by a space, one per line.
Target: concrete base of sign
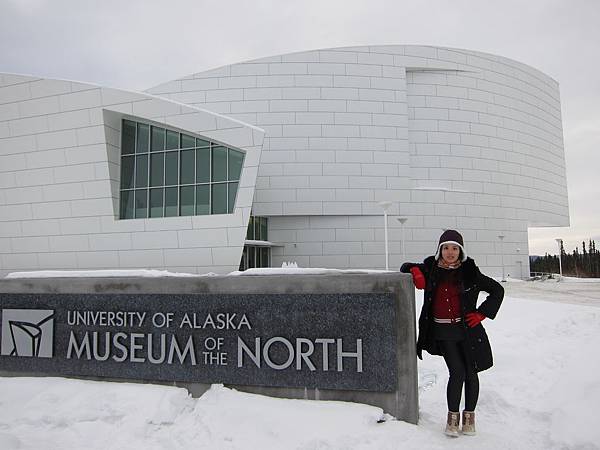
pixel 402 403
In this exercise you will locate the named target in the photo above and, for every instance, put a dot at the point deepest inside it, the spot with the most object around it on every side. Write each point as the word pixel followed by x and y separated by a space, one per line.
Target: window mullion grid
pixel 195 184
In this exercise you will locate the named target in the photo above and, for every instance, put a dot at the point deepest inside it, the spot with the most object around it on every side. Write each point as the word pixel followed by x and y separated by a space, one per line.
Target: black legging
pixel 461 372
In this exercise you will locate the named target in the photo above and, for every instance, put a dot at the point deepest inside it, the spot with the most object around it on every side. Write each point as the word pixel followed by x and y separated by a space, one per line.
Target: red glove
pixel 418 277
pixel 474 318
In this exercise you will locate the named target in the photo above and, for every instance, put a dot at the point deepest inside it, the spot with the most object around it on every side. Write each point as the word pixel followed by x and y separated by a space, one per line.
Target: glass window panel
pixel 219 198
pixel 202 143
pixel 231 193
pixel 141 171
pixel 172 140
pixel 203 199
pixel 158 139
pixel 157 169
pixel 127 164
pixel 156 202
pixel 172 168
pixel 257 257
pixel 141 203
pixel 250 232
pixel 126 204
pixel 257 228
pixel 236 160
pixel 171 202
pixel 128 138
pixel 264 257
pixel 219 164
pixel 143 138
pixel 263 229
pixel 186 200
pixel 203 165
pixel 187 166
pixel 187 141
pixel 251 256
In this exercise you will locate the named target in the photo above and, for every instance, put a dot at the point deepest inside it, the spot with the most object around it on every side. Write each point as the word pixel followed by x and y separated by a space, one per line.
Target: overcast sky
pixel 136 44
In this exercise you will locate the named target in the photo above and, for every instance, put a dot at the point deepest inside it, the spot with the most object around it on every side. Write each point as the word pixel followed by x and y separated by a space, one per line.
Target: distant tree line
pixel 584 264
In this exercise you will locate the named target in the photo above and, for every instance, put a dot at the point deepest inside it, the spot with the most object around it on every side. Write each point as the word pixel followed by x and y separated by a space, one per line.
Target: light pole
pixel 559 241
pixel 520 263
pixel 385 205
pixel 402 220
pixel 501 237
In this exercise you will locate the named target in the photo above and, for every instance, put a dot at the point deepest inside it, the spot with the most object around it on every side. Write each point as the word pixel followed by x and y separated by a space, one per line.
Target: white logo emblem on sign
pixel 27 332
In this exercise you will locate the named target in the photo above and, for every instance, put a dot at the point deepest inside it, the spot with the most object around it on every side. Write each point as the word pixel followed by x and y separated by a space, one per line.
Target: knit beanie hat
pixel 451 237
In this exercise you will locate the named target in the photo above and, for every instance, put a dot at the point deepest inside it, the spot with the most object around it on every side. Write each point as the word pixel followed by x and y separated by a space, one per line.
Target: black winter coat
pixel 473 281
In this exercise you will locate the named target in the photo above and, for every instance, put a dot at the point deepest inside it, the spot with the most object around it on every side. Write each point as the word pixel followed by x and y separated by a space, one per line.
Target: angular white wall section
pixel 59 179
pixel 453 138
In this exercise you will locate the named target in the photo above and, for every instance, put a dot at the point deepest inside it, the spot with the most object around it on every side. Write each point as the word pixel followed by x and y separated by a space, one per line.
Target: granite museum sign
pixel 344 336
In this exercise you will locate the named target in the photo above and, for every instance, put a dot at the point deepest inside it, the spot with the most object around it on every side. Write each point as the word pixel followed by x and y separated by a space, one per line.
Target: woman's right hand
pixel 418 277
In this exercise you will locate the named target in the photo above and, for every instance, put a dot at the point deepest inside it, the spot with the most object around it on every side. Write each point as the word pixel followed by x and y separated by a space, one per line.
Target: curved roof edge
pixel 415 50
pixel 17 78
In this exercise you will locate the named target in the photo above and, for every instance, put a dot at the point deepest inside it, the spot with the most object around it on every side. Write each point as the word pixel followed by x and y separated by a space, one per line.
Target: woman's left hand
pixel 474 318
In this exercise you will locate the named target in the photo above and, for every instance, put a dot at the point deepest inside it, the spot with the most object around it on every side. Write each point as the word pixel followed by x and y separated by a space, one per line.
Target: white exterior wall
pixel 455 138
pixel 59 182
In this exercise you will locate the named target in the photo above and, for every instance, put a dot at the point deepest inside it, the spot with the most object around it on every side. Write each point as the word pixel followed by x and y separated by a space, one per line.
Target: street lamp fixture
pixel 402 220
pixel 559 241
pixel 501 237
pixel 385 205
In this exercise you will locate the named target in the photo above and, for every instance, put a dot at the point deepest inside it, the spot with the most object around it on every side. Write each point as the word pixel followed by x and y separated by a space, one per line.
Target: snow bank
pixel 57 413
pixel 164 273
pixel 54 413
pixel 100 273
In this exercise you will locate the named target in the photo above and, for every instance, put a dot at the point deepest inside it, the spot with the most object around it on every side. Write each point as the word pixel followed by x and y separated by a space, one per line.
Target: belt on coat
pixel 456 320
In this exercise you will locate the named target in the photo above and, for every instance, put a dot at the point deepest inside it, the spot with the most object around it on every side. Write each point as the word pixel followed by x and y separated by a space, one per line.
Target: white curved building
pixel 452 138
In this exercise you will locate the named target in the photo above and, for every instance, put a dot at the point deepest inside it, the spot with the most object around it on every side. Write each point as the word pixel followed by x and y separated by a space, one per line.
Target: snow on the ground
pixel 581 291
pixel 304 271
pixel 542 393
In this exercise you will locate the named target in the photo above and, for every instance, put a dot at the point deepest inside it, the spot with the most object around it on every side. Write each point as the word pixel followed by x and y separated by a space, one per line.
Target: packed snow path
pixel 542 393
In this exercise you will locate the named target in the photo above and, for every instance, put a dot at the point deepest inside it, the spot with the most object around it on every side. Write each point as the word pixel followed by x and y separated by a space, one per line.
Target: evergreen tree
pixel 578 264
pixel 584 261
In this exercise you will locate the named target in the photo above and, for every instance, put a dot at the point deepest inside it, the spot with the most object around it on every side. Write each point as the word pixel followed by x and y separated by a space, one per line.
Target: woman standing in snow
pixel 450 322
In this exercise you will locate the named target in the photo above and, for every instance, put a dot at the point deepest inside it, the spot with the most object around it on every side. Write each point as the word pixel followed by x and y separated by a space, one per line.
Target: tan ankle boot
pixel 452 424
pixel 468 423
